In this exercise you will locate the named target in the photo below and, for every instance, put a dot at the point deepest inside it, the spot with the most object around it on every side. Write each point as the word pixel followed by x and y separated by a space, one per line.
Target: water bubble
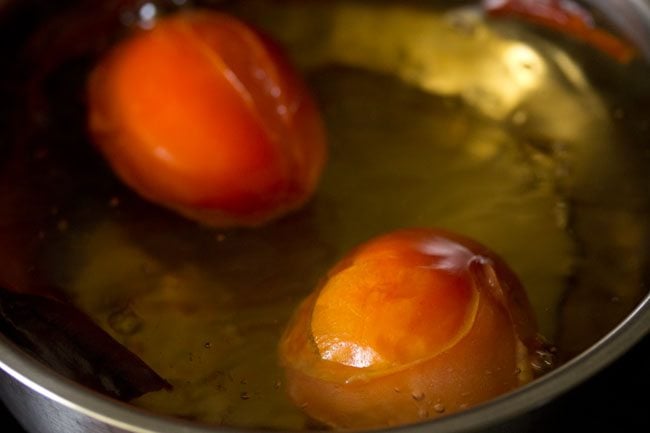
pixel 125 321
pixel 418 396
pixel 542 361
pixel 207 345
pixel 277 384
pixel 423 413
pixel 219 381
pixel 439 408
pixel 519 117
pixel 148 12
pixel 244 396
pixel 562 215
pixel 465 21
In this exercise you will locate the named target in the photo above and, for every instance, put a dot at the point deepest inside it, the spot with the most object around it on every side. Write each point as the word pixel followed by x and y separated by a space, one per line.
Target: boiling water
pixel 434 119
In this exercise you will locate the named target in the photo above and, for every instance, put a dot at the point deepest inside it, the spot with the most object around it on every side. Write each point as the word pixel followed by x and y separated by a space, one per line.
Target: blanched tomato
pixel 409 326
pixel 204 115
pixel 565 16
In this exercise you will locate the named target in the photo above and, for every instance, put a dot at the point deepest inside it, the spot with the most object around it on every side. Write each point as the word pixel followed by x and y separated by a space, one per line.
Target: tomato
pixel 564 16
pixel 409 326
pixel 204 115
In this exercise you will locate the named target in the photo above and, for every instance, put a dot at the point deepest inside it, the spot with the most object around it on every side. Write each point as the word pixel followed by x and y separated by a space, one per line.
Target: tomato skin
pixel 204 115
pixel 415 376
pixel 567 17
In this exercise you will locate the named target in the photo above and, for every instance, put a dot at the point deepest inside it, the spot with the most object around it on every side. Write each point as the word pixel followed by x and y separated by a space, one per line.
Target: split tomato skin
pixel 412 325
pixel 204 115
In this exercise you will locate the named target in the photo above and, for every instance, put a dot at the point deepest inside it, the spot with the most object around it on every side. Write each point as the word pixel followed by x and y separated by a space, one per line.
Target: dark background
pixel 616 400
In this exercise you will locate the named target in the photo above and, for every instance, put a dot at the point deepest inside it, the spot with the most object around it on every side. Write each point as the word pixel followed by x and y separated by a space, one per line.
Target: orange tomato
pixel 204 115
pixel 408 326
pixel 567 17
